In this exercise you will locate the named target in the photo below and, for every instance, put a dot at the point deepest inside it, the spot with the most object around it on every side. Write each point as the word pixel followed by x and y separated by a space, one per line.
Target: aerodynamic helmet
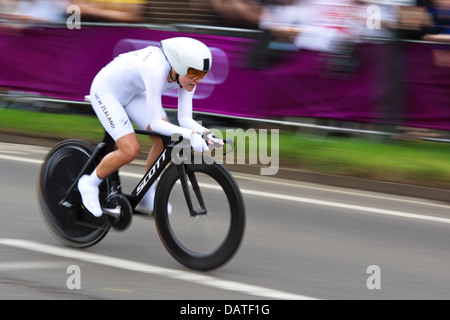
pixel 185 53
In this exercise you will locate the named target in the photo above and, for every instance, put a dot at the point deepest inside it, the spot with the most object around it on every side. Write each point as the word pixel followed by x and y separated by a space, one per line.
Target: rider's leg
pixel 156 148
pixel 114 119
pixel 127 150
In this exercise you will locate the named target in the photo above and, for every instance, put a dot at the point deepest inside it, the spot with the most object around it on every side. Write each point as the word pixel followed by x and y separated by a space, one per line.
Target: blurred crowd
pixel 287 20
pixel 334 27
pixel 297 22
pixel 320 25
pixel 23 13
pixel 327 26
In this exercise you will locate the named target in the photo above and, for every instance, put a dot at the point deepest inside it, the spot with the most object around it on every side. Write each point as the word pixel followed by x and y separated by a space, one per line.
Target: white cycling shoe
pixel 89 196
pixel 148 200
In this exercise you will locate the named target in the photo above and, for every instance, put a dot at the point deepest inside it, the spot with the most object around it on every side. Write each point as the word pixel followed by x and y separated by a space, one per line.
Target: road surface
pixel 302 241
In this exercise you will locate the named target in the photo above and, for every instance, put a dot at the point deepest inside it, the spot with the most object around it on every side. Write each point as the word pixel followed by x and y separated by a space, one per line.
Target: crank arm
pixel 113 212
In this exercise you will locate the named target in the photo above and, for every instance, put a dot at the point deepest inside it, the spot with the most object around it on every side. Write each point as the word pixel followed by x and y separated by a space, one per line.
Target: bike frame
pixel 156 170
pixel 152 174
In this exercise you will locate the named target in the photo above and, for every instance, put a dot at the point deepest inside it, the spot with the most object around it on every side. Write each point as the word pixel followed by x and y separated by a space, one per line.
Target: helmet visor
pixel 195 74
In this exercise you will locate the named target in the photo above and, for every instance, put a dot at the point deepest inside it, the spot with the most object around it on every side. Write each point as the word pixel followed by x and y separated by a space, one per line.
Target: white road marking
pixel 321 202
pixel 21 148
pixel 20 159
pixel 30 265
pixel 366 194
pixel 187 276
pixel 346 206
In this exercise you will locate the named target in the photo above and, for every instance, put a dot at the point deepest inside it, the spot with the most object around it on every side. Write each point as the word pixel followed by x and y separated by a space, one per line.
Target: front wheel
pixel 208 236
pixel 69 222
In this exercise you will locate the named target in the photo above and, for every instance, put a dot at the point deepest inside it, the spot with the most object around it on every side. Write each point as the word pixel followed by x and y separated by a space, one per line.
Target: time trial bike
pixel 207 220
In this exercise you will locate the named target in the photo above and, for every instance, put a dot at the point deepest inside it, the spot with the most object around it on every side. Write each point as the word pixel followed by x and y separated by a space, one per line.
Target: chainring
pixel 126 211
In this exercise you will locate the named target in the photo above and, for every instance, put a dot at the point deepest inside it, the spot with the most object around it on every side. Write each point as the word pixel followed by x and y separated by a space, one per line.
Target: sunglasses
pixel 195 74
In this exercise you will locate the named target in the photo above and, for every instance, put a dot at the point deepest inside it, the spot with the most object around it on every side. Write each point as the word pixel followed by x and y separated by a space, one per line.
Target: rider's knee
pixel 131 152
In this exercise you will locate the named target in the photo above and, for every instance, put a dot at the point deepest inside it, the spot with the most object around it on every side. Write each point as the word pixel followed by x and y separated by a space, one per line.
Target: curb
pixel 290 174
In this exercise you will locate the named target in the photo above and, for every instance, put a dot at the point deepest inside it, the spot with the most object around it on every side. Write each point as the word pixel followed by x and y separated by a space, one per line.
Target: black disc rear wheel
pixel 69 222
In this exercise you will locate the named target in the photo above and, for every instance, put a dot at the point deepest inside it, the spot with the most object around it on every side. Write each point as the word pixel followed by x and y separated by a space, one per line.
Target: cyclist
pixel 130 88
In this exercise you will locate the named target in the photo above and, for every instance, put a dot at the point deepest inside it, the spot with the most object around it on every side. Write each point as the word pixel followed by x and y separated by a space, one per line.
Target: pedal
pixel 66 204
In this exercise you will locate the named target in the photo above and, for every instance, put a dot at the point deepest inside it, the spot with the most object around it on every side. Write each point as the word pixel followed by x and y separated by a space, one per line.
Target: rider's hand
pixel 197 142
pixel 211 139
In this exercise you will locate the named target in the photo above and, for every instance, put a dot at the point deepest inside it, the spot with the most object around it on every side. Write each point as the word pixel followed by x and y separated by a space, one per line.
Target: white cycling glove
pixel 212 140
pixel 211 137
pixel 197 143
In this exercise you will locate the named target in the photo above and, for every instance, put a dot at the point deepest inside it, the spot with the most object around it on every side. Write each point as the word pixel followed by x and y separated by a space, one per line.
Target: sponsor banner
pixel 246 79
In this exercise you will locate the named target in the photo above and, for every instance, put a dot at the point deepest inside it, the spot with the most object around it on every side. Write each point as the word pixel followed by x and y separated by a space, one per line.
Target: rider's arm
pixel 154 77
pixel 185 111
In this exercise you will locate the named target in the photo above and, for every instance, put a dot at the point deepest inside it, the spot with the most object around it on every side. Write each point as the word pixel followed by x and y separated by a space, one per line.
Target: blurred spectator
pixel 6 7
pixel 283 19
pixel 28 13
pixel 413 20
pixel 314 25
pixel 288 21
pixel 111 10
pixel 325 26
pixel 440 31
pixel 279 22
pixel 39 11
pixel 440 13
pixel 238 13
pixel 332 28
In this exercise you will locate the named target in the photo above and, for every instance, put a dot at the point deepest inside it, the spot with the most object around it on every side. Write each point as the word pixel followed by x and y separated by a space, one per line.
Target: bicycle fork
pixel 187 195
